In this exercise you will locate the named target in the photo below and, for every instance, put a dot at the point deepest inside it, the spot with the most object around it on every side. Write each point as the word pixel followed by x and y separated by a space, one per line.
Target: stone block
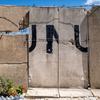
pixel 43 15
pixel 94 56
pixel 71 15
pixel 10 17
pixel 94 26
pixel 75 93
pixel 43 68
pixel 63 19
pixel 72 67
pixel 16 72
pixel 42 92
pixel 13 49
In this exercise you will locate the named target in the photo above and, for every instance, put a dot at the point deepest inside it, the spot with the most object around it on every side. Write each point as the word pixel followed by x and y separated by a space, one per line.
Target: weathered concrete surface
pixel 13 49
pixel 10 16
pixel 60 93
pixel 43 15
pixel 60 68
pixel 43 67
pixel 42 92
pixel 75 93
pixel 16 72
pixel 70 58
pixel 84 43
pixel 94 47
pixel 84 98
pixel 96 92
pixel 13 58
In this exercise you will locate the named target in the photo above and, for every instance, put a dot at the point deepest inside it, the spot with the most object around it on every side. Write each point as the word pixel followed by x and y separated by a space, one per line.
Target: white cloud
pixel 95 2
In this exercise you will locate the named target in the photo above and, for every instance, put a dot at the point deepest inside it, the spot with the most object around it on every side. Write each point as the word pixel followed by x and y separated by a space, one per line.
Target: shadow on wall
pixel 84 43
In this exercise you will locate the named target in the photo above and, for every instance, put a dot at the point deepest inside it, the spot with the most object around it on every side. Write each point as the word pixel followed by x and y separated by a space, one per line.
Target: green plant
pixel 7 87
pixel 19 90
pixel 12 91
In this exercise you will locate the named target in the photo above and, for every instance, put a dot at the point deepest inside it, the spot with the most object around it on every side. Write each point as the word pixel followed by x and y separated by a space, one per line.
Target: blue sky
pixel 43 2
pixel 47 2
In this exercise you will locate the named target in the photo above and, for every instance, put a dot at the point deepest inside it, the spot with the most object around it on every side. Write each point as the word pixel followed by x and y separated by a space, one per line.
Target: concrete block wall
pixel 10 16
pixel 70 58
pixel 65 67
pixel 43 67
pixel 13 58
pixel 94 47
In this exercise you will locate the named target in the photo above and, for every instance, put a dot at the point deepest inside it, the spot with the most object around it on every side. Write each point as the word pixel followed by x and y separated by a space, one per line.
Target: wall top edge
pixel 42 6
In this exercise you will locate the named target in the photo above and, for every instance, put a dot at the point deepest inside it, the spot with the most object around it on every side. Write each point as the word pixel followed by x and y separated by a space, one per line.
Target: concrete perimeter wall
pixel 67 65
pixel 13 58
pixel 94 47
pixel 10 16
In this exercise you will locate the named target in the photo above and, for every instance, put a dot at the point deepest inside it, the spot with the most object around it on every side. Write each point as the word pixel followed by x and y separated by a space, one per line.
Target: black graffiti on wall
pixel 34 38
pixel 77 43
pixel 50 33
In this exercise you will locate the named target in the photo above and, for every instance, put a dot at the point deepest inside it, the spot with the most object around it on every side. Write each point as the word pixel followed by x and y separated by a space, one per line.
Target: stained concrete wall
pixel 13 49
pixel 66 66
pixel 58 69
pixel 43 67
pixel 73 72
pixel 94 47
pixel 10 16
pixel 13 58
